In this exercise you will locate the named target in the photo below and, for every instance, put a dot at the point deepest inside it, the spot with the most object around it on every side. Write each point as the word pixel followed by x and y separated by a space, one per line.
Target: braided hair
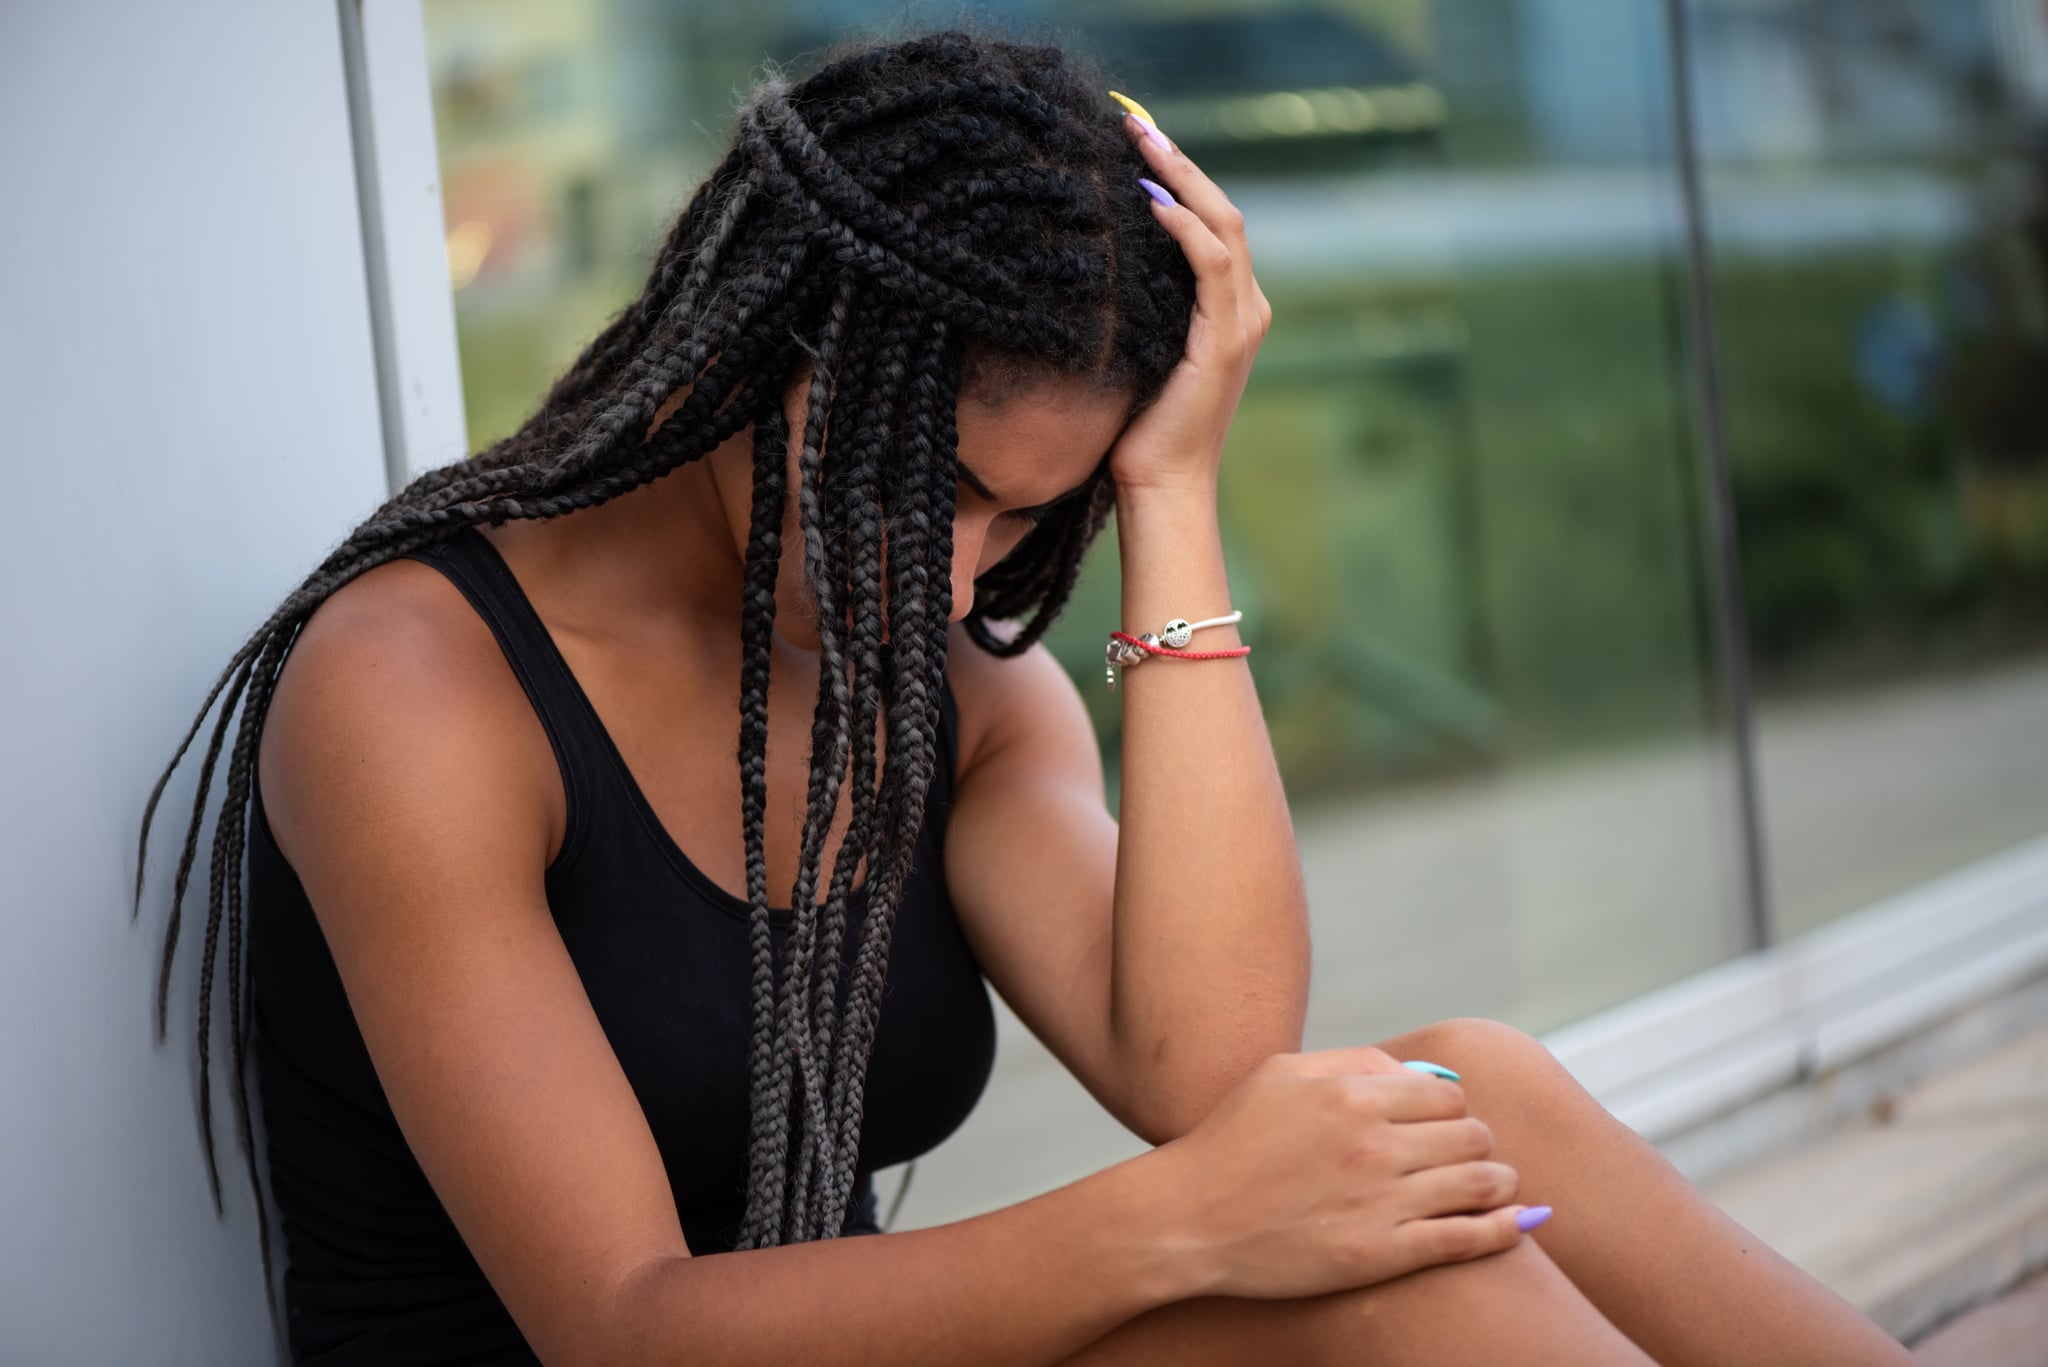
pixel 909 219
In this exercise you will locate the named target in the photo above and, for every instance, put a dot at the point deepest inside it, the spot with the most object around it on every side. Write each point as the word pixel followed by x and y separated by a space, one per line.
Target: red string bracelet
pixel 1154 648
pixel 1128 650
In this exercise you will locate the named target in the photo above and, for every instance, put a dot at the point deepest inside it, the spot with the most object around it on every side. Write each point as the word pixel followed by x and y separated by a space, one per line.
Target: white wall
pixel 188 420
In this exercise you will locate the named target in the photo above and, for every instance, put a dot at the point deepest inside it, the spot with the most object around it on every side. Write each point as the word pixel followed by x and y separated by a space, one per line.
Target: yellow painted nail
pixel 1134 107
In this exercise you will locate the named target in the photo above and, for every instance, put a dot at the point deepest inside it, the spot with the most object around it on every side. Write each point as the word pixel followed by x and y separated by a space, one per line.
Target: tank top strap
pixel 580 742
pixel 593 773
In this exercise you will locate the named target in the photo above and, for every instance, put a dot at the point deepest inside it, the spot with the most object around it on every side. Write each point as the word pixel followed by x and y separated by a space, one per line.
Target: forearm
pixel 1029 1284
pixel 1211 955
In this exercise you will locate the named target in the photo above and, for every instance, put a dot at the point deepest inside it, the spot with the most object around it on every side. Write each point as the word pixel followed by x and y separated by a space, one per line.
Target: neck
pixel 662 557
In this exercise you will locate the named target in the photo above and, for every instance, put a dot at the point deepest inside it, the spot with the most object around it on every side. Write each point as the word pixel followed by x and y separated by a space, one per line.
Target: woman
pixel 533 1034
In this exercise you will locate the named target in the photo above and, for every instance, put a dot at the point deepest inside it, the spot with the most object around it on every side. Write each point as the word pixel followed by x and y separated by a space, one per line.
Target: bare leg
pixel 1513 1309
pixel 1635 1256
pixel 1657 1259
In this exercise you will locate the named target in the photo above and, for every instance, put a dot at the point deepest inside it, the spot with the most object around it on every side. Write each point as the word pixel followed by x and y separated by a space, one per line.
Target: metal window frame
pixel 1715 473
pixel 405 255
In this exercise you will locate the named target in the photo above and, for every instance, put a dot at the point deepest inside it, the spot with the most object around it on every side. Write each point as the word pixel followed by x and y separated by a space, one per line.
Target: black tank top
pixel 376 1272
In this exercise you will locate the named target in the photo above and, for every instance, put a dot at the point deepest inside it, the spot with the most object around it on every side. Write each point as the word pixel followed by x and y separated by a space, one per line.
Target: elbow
pixel 625 1320
pixel 1179 1074
pixel 1172 1101
pixel 1170 1112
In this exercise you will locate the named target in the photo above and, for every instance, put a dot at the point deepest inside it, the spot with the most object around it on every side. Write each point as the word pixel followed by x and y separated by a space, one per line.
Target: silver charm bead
pixel 1122 653
pixel 1177 633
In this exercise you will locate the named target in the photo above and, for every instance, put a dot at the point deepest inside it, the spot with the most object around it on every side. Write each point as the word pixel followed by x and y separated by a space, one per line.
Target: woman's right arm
pixel 407 782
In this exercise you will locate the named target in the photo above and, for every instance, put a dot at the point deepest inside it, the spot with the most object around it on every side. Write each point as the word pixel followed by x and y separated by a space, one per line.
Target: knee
pixel 1491 1057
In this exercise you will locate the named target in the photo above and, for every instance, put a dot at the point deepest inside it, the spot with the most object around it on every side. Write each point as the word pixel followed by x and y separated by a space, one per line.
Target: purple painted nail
pixel 1532 1217
pixel 1152 133
pixel 1157 191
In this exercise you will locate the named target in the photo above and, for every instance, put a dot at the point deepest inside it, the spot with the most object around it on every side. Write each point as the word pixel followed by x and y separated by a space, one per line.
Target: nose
pixel 970 535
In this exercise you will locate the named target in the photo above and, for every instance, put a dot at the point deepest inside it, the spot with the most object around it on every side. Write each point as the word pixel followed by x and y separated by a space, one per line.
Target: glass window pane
pixel 1875 188
pixel 1461 498
pixel 1461 495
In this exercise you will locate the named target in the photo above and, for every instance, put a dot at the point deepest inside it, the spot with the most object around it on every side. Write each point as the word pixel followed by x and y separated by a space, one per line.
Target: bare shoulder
pixel 410 774
pixel 395 686
pixel 1018 706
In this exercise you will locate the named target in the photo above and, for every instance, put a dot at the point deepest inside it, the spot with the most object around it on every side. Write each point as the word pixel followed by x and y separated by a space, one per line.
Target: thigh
pixel 1513 1309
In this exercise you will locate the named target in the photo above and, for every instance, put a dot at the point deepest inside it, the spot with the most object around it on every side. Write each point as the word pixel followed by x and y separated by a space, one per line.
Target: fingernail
pixel 1157 191
pixel 1532 1217
pixel 1436 1069
pixel 1131 106
pixel 1152 133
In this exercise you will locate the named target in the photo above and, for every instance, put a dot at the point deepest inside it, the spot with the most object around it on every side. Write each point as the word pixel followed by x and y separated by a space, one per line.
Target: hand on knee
pixel 1329 1171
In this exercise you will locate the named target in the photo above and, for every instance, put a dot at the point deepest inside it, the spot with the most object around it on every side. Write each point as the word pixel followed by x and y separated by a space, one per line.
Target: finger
pixel 1215 272
pixel 1363 1058
pixel 1190 183
pixel 1192 187
pixel 1458 1189
pixel 1439 1143
pixel 1459 1238
pixel 1408 1098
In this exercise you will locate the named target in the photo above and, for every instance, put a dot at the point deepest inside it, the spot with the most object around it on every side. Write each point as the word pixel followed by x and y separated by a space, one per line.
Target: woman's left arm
pixel 1162 964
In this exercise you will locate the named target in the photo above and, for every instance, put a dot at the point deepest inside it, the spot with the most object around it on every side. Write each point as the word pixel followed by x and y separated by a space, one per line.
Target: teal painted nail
pixel 1435 1069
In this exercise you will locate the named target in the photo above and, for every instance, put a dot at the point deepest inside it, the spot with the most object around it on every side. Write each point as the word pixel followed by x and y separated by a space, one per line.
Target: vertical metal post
pixel 1724 567
pixel 362 133
pixel 405 261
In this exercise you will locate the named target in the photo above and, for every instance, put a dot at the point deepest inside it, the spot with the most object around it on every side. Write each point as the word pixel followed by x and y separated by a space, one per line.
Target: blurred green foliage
pixel 1494 549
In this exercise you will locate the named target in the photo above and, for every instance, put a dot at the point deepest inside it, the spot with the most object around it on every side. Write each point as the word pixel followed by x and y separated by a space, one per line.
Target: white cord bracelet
pixel 1125 650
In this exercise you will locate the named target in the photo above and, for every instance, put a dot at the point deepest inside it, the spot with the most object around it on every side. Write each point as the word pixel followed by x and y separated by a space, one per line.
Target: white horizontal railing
pixel 1679 1056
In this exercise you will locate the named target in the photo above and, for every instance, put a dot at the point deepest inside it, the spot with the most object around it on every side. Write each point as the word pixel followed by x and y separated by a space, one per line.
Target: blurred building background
pixel 1640 508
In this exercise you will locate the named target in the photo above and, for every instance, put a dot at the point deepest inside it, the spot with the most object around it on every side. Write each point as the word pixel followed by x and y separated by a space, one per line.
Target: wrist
pixel 1148 1203
pixel 1170 521
pixel 1174 494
